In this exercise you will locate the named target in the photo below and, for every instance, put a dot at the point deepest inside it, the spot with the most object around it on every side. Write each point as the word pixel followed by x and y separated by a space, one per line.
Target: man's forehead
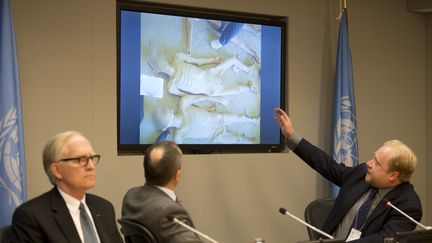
pixel 382 153
pixel 75 143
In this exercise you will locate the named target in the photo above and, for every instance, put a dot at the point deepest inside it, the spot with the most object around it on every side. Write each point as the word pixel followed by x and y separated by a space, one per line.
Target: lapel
pixel 97 218
pixel 381 206
pixel 349 198
pixel 62 217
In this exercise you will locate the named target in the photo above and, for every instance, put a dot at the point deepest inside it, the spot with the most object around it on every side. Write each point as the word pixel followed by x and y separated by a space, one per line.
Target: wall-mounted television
pixel 206 79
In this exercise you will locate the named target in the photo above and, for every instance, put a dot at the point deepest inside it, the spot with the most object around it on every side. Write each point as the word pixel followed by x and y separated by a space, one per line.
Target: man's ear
pixel 178 175
pixel 56 170
pixel 394 177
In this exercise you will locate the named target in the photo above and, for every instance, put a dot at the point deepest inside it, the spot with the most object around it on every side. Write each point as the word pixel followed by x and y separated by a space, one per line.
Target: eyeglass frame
pixel 95 159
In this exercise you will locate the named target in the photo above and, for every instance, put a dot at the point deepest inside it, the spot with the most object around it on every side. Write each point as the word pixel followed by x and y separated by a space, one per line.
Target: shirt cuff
pixel 292 141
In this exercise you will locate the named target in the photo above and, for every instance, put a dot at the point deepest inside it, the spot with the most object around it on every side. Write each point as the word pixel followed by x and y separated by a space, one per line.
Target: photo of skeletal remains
pixel 199 80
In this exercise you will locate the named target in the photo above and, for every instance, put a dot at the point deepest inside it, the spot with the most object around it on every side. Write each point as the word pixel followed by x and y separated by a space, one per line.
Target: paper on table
pixel 151 86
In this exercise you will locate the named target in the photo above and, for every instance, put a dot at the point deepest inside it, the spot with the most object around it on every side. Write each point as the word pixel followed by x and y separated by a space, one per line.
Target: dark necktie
pixel 87 228
pixel 362 213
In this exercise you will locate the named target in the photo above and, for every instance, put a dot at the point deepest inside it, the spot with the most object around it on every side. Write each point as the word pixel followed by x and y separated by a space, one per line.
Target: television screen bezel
pixel 207 13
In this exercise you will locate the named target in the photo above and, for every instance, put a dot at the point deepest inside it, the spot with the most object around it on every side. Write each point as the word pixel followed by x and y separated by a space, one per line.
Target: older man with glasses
pixel 67 213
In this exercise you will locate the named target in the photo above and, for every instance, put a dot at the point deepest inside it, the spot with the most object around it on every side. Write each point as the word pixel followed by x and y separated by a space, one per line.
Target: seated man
pixel 360 214
pixel 67 213
pixel 152 204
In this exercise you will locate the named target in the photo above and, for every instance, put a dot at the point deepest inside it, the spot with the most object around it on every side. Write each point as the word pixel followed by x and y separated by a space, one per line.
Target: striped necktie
pixel 363 211
pixel 87 228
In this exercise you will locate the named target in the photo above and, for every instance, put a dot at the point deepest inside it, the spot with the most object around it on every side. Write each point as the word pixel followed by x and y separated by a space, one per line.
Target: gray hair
pixel 53 150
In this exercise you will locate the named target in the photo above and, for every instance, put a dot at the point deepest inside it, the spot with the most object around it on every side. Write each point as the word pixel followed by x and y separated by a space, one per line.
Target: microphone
pixel 285 212
pixel 176 220
pixel 389 204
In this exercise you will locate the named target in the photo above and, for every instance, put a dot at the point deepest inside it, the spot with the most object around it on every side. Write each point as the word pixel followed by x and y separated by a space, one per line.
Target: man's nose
pixel 90 164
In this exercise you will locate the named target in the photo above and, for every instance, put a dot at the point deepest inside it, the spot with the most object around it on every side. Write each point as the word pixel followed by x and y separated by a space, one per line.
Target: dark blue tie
pixel 362 213
pixel 89 234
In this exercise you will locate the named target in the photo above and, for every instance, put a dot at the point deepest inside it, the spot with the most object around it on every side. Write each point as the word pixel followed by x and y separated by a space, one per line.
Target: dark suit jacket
pixel 47 219
pixel 383 221
pixel 150 206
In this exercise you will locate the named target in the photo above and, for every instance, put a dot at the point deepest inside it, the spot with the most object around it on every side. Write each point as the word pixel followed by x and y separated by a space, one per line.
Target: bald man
pixel 152 204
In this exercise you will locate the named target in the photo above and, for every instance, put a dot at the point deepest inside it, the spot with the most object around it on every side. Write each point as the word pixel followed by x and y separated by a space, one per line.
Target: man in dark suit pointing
pixel 359 213
pixel 67 213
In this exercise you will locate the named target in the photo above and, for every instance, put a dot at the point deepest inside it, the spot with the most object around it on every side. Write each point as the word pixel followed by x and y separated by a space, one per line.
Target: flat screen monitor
pixel 206 79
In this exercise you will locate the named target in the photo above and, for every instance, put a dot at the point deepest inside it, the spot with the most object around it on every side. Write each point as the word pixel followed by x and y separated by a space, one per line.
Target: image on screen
pixel 198 80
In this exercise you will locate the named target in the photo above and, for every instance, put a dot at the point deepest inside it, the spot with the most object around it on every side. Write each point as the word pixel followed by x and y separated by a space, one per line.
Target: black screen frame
pixel 187 11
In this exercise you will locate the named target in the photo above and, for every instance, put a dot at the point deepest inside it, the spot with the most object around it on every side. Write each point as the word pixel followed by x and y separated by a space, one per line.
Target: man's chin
pixel 90 184
pixel 368 178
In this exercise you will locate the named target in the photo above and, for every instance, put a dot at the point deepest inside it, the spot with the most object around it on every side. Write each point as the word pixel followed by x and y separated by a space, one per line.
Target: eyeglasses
pixel 83 160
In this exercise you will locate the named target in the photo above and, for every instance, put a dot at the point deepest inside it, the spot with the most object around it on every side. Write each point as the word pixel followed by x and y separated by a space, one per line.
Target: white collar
pixel 168 191
pixel 71 202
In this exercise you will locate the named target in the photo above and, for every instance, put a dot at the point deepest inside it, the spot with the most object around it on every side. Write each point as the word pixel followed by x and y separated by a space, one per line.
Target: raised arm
pixel 284 122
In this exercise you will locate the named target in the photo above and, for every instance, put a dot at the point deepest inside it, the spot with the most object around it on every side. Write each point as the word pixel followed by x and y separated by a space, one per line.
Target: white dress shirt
pixel 73 206
pixel 169 192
